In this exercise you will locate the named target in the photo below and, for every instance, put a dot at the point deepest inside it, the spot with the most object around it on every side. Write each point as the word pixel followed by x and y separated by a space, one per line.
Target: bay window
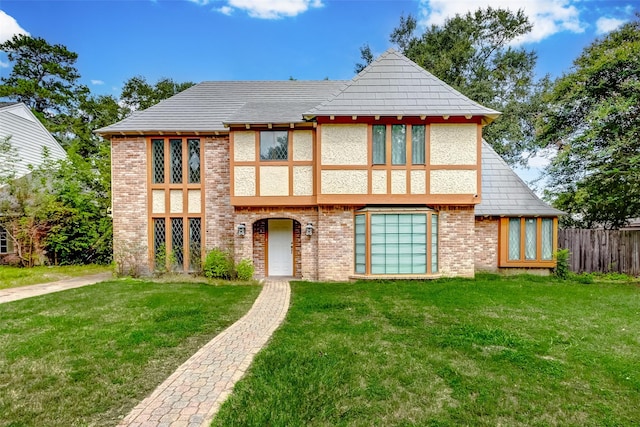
pixel 396 242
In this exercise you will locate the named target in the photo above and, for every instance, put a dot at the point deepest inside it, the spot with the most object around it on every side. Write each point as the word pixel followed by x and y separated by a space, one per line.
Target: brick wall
pixel 335 242
pixel 457 240
pixel 486 252
pixel 253 244
pixel 219 217
pixel 129 203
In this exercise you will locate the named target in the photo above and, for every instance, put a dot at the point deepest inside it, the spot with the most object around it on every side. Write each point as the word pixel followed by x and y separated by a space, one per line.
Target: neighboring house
pixel 30 140
pixel 385 175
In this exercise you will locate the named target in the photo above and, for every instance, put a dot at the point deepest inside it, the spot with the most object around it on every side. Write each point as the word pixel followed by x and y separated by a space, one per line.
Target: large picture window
pixel 528 242
pixel 396 243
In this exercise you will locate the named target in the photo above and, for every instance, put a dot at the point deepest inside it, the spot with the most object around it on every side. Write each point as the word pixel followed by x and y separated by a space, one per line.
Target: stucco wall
pixel 453 144
pixel 398 182
pixel 194 201
pixel 274 180
pixel 344 144
pixel 379 182
pixel 302 145
pixel 158 202
pixel 244 146
pixel 454 182
pixel 418 183
pixel 175 201
pixel 302 180
pixel 344 182
pixel 244 181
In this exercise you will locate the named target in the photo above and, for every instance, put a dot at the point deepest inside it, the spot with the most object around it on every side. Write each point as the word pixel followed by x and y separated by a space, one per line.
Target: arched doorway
pixel 277 247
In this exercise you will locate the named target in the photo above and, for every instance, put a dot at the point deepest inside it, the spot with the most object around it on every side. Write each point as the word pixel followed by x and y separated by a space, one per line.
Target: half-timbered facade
pixel 385 175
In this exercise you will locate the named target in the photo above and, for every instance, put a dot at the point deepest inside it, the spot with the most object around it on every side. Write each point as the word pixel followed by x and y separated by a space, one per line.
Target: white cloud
pixel 548 17
pixel 97 82
pixel 265 9
pixel 9 27
pixel 4 64
pixel 606 25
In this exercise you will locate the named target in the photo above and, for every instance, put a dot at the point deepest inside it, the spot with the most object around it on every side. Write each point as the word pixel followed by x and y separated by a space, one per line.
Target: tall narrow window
pixel 157 159
pixel 530 239
pixel 274 145
pixel 159 242
pixel 417 144
pixel 434 243
pixel 177 241
pixel 514 239
pixel 547 239
pixel 176 160
pixel 195 243
pixel 4 241
pixel 360 244
pixel 379 144
pixel 398 144
pixel 194 161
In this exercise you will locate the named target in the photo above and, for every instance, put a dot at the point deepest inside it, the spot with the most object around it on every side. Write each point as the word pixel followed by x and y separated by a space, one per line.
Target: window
pixel 528 242
pixel 398 144
pixel 274 145
pixel 176 195
pixel 388 243
pixel 5 243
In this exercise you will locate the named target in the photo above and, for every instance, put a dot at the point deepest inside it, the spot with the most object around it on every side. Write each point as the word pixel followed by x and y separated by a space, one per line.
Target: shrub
pixel 245 269
pixel 218 265
pixel 562 264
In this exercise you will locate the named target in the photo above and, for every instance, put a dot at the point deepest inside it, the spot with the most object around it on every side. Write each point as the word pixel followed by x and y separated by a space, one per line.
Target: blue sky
pixel 196 40
pixel 272 39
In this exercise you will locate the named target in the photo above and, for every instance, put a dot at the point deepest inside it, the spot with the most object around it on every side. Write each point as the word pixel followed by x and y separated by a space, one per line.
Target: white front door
pixel 280 247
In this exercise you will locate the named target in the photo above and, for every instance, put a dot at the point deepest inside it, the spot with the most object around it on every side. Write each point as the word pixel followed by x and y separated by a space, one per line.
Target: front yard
pixel 11 277
pixel 87 356
pixel 518 351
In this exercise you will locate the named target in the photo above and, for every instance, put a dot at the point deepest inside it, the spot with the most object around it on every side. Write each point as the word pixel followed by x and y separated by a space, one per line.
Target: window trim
pixel 429 213
pixel 5 242
pixel 167 186
pixel 503 244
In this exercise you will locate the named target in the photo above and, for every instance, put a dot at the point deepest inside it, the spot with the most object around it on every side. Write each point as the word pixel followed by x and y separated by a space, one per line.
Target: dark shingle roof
pixel 207 106
pixel 504 193
pixel 394 85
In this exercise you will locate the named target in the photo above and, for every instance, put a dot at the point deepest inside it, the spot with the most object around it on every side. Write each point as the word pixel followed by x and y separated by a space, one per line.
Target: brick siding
pixel 486 253
pixel 457 240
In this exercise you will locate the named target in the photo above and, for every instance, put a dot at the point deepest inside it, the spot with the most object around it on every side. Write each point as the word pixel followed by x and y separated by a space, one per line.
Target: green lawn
pixel 87 356
pixel 11 277
pixel 511 351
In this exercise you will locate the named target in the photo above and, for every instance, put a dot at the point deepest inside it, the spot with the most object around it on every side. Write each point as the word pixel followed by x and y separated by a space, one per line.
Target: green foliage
pixel 245 269
pixel 218 264
pixel 473 54
pixel 137 94
pixel 594 122
pixel 562 264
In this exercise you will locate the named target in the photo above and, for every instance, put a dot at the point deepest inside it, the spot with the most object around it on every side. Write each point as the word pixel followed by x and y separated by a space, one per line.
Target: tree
pixel 367 58
pixel 594 122
pixel 473 54
pixel 137 94
pixel 43 76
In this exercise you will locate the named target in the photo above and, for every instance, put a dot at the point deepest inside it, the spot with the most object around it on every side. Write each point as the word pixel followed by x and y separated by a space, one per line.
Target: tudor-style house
pixel 385 175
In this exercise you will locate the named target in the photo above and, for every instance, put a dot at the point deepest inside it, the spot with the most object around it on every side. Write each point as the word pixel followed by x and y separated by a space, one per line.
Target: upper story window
pixel 274 145
pixel 396 138
pixel 178 150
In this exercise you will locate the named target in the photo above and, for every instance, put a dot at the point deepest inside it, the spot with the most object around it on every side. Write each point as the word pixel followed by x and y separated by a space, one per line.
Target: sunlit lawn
pixel 11 277
pixel 87 356
pixel 516 351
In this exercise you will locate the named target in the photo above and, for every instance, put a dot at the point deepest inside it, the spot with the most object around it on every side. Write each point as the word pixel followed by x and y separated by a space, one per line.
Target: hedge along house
pixel 385 175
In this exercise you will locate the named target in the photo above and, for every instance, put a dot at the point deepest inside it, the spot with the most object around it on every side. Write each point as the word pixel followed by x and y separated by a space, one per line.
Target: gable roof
pixel 394 85
pixel 208 106
pixel 504 193
pixel 28 137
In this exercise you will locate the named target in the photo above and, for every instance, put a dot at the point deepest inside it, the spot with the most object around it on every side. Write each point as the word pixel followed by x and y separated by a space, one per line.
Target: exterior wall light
pixel 242 229
pixel 308 230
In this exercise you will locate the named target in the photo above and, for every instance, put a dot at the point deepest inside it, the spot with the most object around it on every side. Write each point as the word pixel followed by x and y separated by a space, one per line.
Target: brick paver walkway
pixel 192 395
pixel 15 294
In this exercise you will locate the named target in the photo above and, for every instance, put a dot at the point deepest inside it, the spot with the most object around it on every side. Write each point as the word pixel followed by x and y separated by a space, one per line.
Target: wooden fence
pixel 602 250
